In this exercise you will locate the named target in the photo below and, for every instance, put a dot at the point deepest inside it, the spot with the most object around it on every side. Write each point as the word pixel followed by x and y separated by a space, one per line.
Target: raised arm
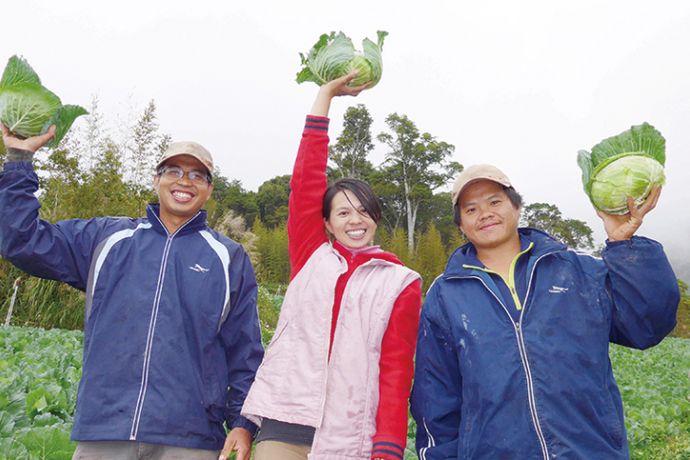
pixel 55 251
pixel 306 230
pixel 644 291
pixel 642 285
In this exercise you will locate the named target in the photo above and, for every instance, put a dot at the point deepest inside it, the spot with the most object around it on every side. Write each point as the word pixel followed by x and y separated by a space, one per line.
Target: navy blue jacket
pixel 171 335
pixel 539 387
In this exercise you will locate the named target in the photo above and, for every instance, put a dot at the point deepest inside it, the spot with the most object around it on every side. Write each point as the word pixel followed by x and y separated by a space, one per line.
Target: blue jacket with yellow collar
pixel 536 384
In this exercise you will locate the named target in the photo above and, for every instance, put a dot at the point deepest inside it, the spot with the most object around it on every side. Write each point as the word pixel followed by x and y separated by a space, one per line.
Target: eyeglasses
pixel 176 173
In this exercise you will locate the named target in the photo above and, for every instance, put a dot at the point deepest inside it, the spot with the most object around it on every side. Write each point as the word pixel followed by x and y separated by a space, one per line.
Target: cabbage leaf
pixel 27 108
pixel 628 164
pixel 334 55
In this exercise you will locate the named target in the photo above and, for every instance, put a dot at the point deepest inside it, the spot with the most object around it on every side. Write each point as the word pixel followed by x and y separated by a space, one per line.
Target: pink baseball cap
pixel 474 173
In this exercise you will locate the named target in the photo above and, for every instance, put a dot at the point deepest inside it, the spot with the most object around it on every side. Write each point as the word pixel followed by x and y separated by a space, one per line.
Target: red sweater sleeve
pixel 395 378
pixel 306 231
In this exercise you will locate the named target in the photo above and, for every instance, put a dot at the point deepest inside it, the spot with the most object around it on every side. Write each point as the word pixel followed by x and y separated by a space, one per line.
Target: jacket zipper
pixel 522 349
pixel 152 328
pixel 322 403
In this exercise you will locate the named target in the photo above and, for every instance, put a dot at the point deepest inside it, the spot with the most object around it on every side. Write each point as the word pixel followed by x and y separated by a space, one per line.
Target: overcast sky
pixel 523 85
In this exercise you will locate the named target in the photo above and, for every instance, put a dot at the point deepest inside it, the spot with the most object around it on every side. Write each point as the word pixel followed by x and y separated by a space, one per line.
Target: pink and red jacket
pixel 363 307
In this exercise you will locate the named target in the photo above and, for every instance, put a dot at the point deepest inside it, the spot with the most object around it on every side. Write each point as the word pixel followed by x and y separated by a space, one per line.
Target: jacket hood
pixel 466 254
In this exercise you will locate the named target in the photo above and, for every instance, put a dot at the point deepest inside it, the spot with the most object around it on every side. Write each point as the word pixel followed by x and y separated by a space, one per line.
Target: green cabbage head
pixel 628 164
pixel 27 108
pixel 334 56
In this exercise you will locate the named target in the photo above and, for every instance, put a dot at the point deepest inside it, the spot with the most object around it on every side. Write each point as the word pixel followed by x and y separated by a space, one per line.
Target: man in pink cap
pixel 171 331
pixel 512 356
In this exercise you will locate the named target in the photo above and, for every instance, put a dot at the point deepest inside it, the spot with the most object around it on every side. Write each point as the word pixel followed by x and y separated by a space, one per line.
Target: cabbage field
pixel 39 373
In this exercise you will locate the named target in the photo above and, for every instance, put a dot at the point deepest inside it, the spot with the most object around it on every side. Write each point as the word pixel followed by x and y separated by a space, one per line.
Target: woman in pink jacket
pixel 335 379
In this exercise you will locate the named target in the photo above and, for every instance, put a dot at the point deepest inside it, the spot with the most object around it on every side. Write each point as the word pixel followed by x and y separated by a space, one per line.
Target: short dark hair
pixel 363 192
pixel 514 197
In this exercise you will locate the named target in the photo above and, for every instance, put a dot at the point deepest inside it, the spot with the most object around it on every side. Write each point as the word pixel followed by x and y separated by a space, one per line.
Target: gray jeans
pixel 132 450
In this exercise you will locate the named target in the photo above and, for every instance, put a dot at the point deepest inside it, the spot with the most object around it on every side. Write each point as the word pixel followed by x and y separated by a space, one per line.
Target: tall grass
pixel 40 303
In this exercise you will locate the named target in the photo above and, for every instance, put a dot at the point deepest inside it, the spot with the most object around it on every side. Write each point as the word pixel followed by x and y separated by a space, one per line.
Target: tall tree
pixel 94 142
pixel 272 200
pixel 416 164
pixel 353 145
pixel 547 217
pixel 144 147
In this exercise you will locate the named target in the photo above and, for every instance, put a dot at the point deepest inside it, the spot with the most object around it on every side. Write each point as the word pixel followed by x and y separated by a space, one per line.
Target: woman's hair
pixel 514 197
pixel 363 192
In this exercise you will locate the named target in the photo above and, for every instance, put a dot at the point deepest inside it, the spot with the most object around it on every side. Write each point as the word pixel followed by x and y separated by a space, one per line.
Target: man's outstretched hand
pixel 31 144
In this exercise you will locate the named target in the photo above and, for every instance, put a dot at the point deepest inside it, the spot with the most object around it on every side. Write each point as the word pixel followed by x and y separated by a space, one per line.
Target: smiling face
pixel 180 199
pixel 487 216
pixel 349 222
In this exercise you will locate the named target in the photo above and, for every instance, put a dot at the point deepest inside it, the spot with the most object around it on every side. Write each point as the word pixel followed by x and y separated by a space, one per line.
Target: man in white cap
pixel 512 356
pixel 171 333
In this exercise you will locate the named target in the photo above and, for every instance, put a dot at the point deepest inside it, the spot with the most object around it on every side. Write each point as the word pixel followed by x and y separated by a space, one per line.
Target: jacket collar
pixel 360 257
pixel 196 223
pixel 467 254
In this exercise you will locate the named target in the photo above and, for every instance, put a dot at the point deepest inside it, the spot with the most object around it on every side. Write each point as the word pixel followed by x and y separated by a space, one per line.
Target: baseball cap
pixel 477 172
pixel 188 148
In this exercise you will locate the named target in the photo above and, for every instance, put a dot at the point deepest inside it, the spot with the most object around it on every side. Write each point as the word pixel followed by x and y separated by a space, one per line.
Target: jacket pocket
pixel 613 422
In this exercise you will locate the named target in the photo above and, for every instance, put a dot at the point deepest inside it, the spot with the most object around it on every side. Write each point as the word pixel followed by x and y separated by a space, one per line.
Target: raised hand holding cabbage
pixel 27 108
pixel 628 164
pixel 334 56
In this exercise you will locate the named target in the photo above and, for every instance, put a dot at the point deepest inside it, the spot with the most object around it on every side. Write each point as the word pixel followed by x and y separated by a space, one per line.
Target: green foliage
pixel 40 373
pixel 352 146
pixel 628 164
pixel 272 200
pixel 416 165
pixel 230 194
pixel 40 303
pixel 682 328
pixel 437 210
pixel 334 56
pixel 272 248
pixel 547 217
pixel 430 256
pixel 27 108
pixel 655 386
pixel 456 240
pixel 396 242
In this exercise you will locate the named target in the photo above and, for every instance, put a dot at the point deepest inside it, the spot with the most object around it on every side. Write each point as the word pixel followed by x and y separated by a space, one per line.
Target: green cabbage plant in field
pixel 27 108
pixel 334 56
pixel 628 164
